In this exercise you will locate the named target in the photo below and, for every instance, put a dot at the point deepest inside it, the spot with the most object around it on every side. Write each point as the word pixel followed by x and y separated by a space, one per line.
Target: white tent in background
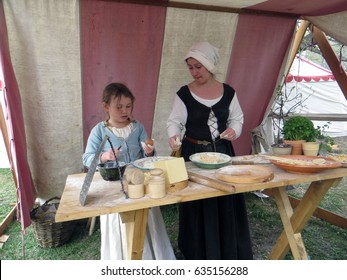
pixel 320 92
pixel 4 163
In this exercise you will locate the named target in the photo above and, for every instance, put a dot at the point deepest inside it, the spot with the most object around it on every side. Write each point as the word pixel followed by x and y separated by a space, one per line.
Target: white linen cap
pixel 206 54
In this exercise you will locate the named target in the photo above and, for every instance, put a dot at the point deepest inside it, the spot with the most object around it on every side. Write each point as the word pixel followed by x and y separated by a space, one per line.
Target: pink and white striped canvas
pixel 58 55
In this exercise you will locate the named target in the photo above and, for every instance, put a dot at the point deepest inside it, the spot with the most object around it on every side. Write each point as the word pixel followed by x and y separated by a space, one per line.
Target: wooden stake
pixel 331 58
pixel 9 219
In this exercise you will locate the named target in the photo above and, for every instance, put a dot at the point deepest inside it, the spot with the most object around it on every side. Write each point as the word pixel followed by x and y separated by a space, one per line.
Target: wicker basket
pixel 47 232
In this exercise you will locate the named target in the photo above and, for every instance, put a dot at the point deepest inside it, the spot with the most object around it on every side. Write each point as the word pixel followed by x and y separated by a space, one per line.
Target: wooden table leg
pixel 136 223
pixel 302 214
pixel 286 211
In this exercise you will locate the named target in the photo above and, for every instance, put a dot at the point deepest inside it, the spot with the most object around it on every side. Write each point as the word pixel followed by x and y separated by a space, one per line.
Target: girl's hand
pixel 228 134
pixel 109 155
pixel 175 142
pixel 148 147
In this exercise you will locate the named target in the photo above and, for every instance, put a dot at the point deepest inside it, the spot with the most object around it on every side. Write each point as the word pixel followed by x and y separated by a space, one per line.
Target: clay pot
pixel 310 148
pixel 297 146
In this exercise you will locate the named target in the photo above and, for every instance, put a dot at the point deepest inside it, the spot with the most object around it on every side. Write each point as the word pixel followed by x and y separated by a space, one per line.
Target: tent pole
pixel 300 33
pixel 331 58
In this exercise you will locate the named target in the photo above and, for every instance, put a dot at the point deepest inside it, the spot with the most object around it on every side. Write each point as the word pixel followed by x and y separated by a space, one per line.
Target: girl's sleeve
pixel 143 133
pixel 93 143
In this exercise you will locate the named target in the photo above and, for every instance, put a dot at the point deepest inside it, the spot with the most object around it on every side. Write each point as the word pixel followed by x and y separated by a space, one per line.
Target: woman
pixel 210 114
pixel 127 137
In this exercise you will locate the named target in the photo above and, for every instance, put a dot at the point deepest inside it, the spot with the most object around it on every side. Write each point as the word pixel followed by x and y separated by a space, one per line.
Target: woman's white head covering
pixel 206 54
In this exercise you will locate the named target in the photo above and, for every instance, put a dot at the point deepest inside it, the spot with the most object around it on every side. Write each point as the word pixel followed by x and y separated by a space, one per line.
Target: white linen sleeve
pixel 235 119
pixel 177 118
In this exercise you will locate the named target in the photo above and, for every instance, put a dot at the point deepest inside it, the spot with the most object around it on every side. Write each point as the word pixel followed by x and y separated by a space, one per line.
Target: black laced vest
pixel 198 114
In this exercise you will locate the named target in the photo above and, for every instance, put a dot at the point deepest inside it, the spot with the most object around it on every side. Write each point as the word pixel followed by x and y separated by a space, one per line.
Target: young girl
pixel 127 137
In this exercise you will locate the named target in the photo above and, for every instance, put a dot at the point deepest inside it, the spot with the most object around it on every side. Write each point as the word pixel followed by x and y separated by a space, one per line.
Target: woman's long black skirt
pixel 214 228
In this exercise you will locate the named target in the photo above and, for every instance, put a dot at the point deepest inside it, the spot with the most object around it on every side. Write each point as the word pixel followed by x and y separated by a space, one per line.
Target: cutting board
pixel 244 174
pixel 230 175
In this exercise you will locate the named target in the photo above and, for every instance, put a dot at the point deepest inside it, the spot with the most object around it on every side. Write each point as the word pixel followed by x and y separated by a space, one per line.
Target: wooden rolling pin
pixel 212 183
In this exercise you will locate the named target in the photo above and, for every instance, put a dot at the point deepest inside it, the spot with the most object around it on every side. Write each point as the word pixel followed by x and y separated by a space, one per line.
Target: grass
pixel 323 241
pixel 335 201
pixel 81 246
pixel 7 192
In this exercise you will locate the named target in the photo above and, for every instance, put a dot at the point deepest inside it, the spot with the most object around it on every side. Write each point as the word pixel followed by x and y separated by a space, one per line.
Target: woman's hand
pixel 109 155
pixel 228 134
pixel 175 142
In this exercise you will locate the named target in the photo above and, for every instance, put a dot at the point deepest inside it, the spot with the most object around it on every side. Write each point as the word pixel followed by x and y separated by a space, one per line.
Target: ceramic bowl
pixel 109 170
pixel 210 160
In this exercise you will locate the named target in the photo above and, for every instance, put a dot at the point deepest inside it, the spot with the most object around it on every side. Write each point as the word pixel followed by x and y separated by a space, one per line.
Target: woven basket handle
pixel 49 200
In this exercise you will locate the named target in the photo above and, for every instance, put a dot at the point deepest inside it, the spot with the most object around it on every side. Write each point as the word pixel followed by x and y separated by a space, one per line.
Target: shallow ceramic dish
pixel 304 164
pixel 147 163
pixel 339 158
pixel 210 160
pixel 109 170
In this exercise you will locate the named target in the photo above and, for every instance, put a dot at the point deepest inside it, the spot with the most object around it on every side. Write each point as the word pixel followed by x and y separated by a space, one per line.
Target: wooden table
pixel 105 197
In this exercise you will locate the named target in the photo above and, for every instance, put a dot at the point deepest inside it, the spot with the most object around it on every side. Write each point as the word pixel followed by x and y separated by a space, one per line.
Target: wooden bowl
pixel 308 167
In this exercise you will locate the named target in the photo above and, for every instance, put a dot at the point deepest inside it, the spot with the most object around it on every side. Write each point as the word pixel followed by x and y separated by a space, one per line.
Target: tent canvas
pixel 53 87
pixel 320 93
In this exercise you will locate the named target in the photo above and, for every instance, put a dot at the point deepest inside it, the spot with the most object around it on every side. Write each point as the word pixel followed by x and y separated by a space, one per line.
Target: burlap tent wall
pixel 64 52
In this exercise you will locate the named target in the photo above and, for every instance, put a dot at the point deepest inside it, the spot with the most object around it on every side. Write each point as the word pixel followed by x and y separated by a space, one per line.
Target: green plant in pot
pixel 279 114
pixel 298 129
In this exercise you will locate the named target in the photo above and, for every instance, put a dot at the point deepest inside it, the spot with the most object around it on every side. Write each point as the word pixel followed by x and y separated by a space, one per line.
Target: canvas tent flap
pixel 13 116
pixel 331 25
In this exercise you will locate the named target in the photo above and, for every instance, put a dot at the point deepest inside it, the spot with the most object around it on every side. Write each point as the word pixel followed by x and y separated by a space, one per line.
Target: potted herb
pixel 279 115
pixel 313 139
pixel 297 130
